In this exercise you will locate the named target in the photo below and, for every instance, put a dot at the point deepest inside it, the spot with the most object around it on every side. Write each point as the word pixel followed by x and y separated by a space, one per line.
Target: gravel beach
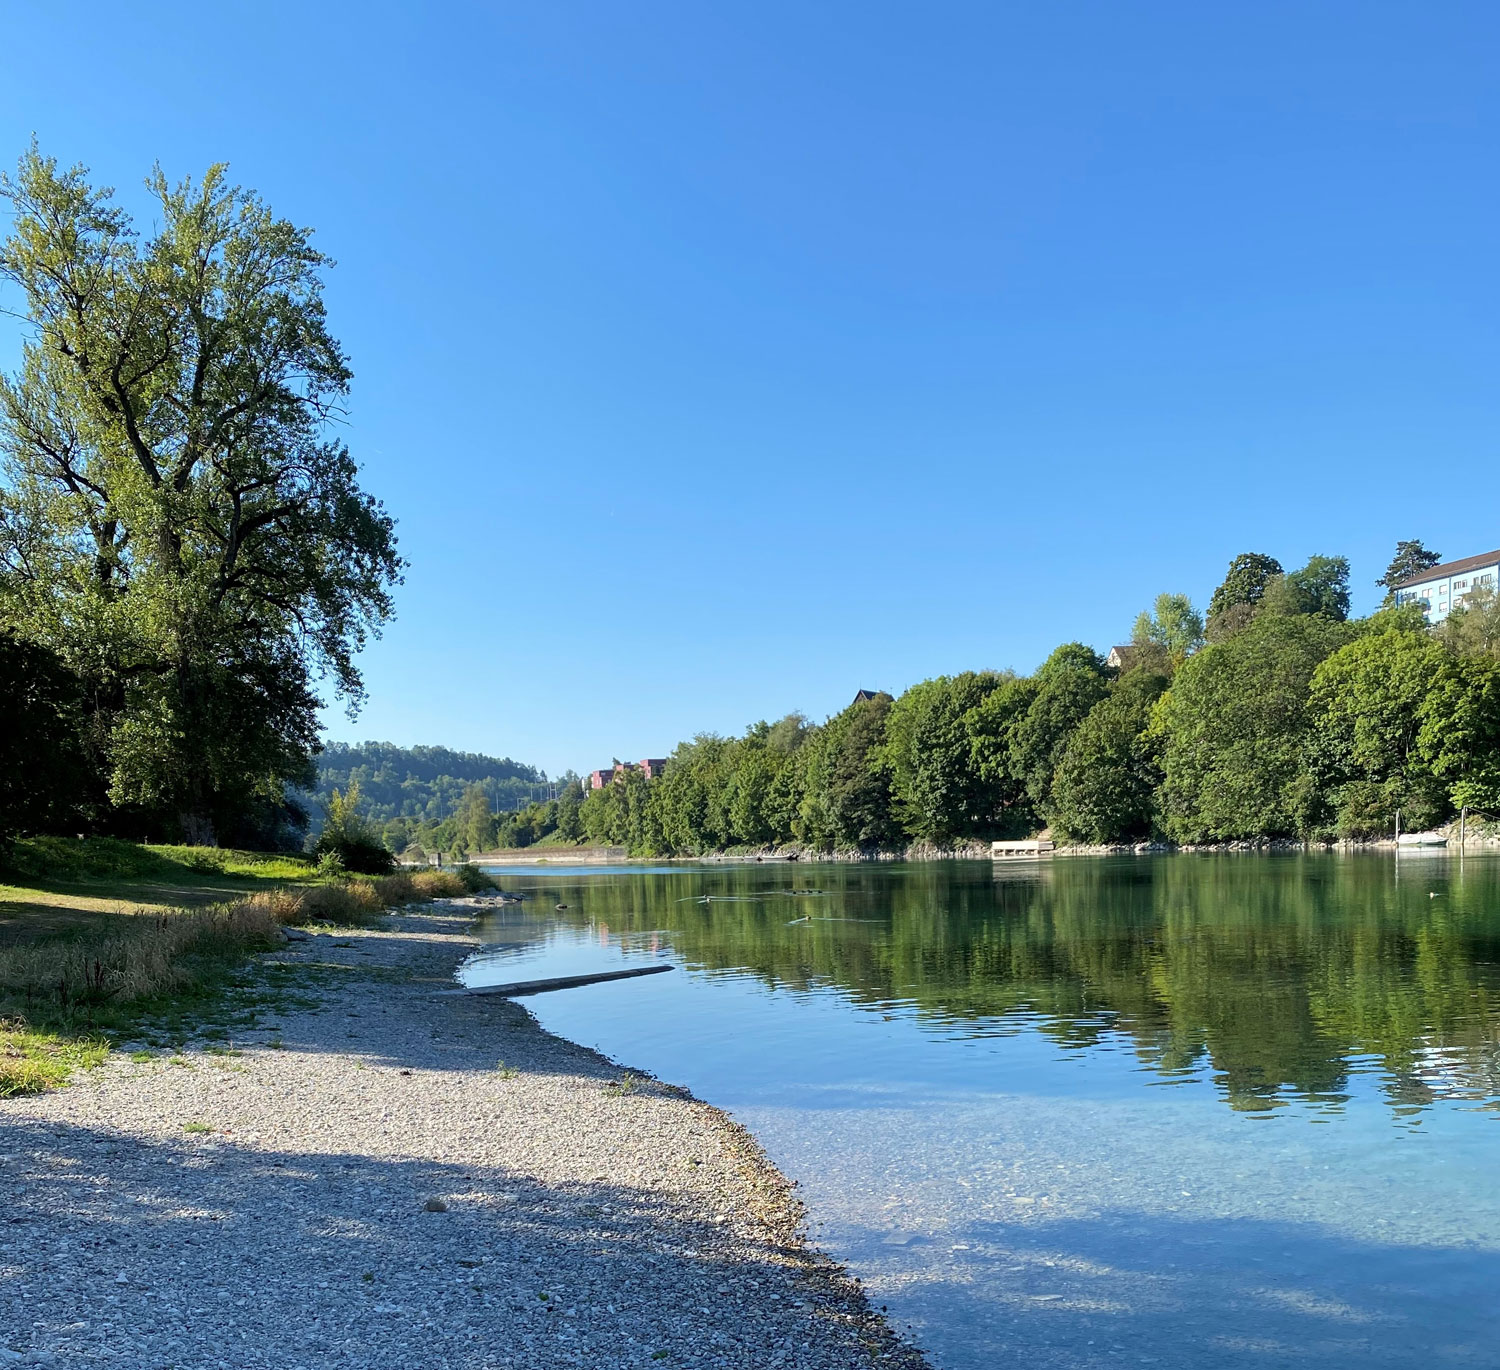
pixel 357 1181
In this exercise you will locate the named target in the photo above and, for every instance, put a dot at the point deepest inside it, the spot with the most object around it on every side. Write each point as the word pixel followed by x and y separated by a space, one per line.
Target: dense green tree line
pixel 1278 717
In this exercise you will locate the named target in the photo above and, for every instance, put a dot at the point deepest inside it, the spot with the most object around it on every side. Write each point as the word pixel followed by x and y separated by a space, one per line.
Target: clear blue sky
pixel 718 360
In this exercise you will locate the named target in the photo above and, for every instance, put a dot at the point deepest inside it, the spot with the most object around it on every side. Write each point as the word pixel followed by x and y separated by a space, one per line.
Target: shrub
pixel 438 885
pixel 356 855
pixel 474 879
pixel 396 889
pixel 348 836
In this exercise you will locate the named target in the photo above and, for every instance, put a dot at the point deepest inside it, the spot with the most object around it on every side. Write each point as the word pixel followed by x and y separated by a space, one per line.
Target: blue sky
pixel 719 360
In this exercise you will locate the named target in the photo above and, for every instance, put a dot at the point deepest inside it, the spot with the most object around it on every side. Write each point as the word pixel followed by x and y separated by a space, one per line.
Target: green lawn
pixel 67 901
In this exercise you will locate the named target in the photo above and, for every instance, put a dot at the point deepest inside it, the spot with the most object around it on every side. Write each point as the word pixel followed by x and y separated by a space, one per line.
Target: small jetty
pixel 1031 846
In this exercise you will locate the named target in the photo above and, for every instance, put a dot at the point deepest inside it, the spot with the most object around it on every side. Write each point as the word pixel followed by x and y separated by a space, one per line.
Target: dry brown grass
pixel 356 901
pixel 347 904
pixel 140 962
pixel 438 885
pixel 58 989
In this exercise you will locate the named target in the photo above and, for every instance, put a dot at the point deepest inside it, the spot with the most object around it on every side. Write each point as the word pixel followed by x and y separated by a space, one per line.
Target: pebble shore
pixel 362 1182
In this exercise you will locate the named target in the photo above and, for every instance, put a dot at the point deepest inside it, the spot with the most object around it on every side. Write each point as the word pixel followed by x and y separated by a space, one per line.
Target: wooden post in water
pixel 1398 827
pixel 1463 827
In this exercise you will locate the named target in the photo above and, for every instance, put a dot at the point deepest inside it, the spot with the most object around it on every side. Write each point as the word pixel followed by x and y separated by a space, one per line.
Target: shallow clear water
pixel 1181 1111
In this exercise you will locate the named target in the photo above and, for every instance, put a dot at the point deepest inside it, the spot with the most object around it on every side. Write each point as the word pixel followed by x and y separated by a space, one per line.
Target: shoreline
pixel 560 858
pixel 387 1195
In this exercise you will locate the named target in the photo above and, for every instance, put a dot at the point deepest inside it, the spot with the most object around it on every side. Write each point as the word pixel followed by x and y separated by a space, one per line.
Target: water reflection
pixel 1277 978
pixel 1003 1090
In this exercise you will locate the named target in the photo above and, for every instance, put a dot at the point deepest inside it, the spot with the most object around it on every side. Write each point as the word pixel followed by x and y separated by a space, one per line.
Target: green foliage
pixel 474 824
pixel 1365 708
pixel 474 880
pixel 1244 583
pixel 1460 734
pixel 1232 727
pixel 1473 627
pixel 569 825
pixel 1411 559
pixel 1104 787
pixel 349 840
pixel 939 795
pixel 422 784
pixel 175 522
pixel 1172 626
pixel 1068 684
pixel 1320 587
pixel 845 797
pixel 619 815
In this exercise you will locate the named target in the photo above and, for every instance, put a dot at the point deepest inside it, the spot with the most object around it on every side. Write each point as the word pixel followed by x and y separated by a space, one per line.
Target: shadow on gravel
pixel 1133 1288
pixel 205 1253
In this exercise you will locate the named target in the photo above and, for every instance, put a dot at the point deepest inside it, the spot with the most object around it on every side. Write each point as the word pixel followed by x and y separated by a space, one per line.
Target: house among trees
pixel 1121 658
pixel 651 767
pixel 1442 588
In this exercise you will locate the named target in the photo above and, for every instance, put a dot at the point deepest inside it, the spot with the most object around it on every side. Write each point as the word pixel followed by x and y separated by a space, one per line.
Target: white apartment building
pixel 1440 589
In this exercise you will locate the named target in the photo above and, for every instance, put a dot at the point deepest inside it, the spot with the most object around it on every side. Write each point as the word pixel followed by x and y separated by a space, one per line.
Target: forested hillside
pixel 403 788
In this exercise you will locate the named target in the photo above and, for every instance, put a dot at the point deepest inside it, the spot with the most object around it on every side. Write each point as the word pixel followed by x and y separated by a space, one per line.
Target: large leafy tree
pixel 1104 788
pixel 1473 628
pixel 1460 734
pixel 1320 587
pixel 178 522
pixel 1362 755
pixel 1244 583
pixel 939 795
pixel 1068 684
pixel 846 796
pixel 1172 627
pixel 1232 728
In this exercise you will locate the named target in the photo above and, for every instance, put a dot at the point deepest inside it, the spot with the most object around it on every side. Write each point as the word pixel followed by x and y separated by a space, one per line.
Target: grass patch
pixel 103 939
pixel 31 1061
pixel 109 858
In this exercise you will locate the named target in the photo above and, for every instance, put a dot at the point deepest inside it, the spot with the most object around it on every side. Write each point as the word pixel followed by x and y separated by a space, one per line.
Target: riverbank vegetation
pixel 1277 717
pixel 100 938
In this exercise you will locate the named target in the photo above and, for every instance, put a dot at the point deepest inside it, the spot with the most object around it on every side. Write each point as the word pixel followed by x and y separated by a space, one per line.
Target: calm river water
pixel 1184 1111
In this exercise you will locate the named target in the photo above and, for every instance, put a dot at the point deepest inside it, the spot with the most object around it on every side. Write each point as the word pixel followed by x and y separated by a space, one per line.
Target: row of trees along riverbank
pixel 1279 717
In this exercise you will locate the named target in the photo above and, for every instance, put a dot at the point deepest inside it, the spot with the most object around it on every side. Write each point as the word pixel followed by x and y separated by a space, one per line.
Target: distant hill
pixel 421 784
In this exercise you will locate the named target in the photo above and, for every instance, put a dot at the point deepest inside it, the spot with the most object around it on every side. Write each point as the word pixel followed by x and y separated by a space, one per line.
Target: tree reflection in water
pixel 1278 975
